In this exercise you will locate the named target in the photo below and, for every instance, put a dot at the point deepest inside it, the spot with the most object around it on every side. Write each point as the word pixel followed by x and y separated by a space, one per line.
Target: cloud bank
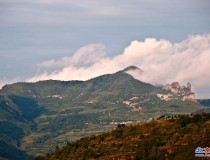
pixel 162 62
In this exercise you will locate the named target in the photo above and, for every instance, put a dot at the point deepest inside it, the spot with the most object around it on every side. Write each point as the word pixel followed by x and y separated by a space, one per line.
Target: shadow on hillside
pixel 29 108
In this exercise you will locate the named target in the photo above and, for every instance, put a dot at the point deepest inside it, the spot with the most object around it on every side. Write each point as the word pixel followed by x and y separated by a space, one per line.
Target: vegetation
pixel 35 117
pixel 205 102
pixel 165 138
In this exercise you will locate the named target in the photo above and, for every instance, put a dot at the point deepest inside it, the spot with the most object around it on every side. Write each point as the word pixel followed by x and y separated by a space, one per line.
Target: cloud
pixel 83 57
pixel 5 81
pixel 162 62
pixel 77 66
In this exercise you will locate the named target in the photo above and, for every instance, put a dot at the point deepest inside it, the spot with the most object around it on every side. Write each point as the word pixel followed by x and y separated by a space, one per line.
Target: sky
pixel 68 40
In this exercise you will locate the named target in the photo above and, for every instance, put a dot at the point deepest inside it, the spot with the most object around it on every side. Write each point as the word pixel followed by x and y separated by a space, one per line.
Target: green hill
pixel 165 138
pixel 38 116
pixel 205 102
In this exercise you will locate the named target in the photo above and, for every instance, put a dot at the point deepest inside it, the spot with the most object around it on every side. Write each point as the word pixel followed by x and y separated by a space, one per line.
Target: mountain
pixel 163 138
pixel 132 68
pixel 36 117
pixel 205 102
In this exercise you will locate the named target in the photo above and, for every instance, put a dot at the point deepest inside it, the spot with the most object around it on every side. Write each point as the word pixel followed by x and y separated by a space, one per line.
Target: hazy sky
pixel 65 39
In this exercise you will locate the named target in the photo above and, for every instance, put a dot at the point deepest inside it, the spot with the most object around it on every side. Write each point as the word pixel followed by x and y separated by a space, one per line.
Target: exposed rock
pixel 55 96
pixel 175 85
pixel 131 103
pixel 126 102
pixel 189 97
pixel 133 98
pixel 167 87
pixel 189 86
pixel 176 90
pixel 165 97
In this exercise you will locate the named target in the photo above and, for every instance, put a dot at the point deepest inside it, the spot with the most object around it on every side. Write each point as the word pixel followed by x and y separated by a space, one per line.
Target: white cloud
pixel 162 62
pixel 83 57
pixel 5 81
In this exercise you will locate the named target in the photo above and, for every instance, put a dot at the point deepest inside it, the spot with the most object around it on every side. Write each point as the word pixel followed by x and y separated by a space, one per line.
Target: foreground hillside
pixel 164 138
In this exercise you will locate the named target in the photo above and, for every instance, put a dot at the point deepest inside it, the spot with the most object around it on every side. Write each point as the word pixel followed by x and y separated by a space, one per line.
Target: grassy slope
pixel 169 138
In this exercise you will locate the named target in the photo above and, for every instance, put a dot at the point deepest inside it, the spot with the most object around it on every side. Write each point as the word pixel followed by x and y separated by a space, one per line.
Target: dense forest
pixel 174 137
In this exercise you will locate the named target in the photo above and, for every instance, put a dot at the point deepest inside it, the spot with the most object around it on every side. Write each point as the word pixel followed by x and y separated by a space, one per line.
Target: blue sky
pixel 35 32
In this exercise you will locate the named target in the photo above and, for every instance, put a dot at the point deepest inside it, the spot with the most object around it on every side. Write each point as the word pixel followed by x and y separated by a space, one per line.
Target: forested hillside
pixel 174 138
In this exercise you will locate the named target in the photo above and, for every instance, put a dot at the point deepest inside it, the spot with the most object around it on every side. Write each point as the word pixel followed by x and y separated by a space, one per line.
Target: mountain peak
pixel 131 68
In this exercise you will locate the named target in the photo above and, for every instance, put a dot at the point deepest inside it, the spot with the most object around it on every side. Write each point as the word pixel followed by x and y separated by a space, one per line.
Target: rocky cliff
pixel 175 91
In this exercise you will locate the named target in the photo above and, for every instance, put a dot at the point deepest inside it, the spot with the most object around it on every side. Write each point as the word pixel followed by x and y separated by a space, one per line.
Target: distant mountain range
pixel 35 117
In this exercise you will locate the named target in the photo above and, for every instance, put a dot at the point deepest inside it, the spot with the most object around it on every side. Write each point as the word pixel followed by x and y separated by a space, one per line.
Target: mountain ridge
pixel 53 112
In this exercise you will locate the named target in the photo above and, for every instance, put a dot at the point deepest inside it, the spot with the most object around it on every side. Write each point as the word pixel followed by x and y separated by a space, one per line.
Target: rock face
pixel 175 85
pixel 175 90
pixel 189 86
